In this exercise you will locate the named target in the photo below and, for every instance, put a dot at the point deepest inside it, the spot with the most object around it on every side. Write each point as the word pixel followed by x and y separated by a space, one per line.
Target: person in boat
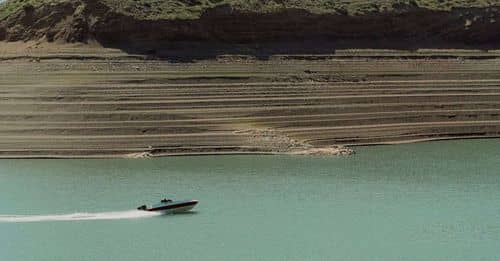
pixel 143 207
pixel 165 200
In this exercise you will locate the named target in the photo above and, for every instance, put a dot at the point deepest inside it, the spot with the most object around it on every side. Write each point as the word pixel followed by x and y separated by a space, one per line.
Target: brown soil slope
pixel 104 105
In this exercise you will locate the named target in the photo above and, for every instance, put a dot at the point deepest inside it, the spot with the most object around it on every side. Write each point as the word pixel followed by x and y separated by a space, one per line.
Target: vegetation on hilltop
pixel 157 21
pixel 192 9
pixel 11 6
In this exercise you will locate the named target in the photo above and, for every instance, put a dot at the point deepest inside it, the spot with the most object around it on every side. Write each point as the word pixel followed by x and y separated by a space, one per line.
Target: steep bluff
pixel 85 20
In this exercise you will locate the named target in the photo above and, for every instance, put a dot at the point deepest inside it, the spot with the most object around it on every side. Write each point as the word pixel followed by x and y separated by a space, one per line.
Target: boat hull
pixel 173 207
pixel 177 210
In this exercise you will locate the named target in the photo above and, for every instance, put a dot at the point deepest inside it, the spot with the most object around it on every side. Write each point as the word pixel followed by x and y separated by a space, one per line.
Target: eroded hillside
pixel 150 22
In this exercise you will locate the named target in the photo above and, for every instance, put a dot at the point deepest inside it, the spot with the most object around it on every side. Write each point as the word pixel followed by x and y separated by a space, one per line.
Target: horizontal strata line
pixel 299 57
pixel 125 142
pixel 251 71
pixel 254 77
pixel 120 144
pixel 127 88
pixel 402 139
pixel 202 123
pixel 311 95
pixel 98 155
pixel 143 147
pixel 401 136
pixel 119 56
pixel 256 118
pixel 15 93
pixel 86 137
pixel 267 108
pixel 195 71
pixel 419 124
pixel 227 61
pixel 101 87
pixel 217 96
pixel 67 130
pixel 228 124
pixel 377 139
pixel 395 135
pixel 372 134
pixel 222 65
pixel 185 95
pixel 235 134
pixel 242 94
pixel 113 147
pixel 411 139
pixel 282 84
pixel 265 69
pixel 248 99
pixel 103 90
pixel 120 84
pixel 194 127
pixel 424 139
pixel 235 107
pixel 279 83
pixel 132 149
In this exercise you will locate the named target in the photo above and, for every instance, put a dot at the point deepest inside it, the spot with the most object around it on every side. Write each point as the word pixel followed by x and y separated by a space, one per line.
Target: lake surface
pixel 426 201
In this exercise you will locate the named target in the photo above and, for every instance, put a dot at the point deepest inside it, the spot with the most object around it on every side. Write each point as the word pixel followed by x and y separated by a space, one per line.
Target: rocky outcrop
pixel 62 21
pixel 272 141
pixel 82 20
pixel 332 150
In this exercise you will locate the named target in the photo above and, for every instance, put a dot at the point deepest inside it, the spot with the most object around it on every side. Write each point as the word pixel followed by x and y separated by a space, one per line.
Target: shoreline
pixel 201 154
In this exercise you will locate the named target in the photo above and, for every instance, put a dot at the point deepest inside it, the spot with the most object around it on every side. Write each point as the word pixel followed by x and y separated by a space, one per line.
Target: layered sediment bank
pixel 76 101
pixel 123 78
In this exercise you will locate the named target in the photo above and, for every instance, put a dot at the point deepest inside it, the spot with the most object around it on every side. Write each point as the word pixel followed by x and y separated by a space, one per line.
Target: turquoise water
pixel 427 201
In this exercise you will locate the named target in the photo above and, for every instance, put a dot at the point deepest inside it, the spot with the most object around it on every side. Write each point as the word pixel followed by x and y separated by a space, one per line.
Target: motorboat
pixel 169 206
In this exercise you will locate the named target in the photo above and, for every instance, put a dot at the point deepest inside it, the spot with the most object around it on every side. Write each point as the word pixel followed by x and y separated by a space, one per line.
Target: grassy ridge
pixel 11 6
pixel 192 9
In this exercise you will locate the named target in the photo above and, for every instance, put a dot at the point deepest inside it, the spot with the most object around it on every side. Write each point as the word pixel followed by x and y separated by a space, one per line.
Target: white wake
pixel 129 214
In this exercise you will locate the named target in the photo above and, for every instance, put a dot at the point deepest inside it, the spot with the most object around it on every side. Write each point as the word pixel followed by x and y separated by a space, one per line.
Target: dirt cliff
pixel 406 25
